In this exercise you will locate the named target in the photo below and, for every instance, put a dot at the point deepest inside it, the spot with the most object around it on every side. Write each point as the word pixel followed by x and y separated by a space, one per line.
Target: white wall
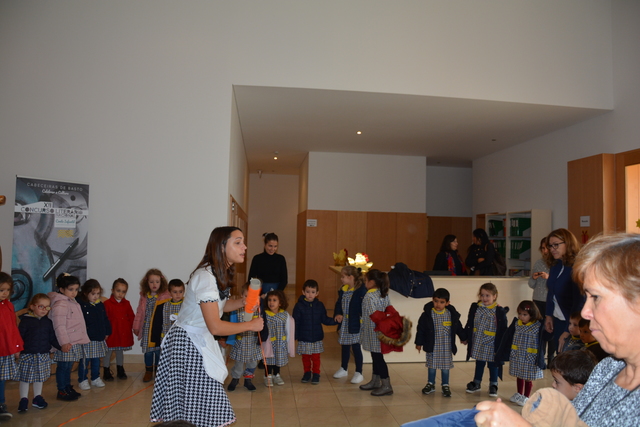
pixel 449 191
pixel 273 208
pixel 238 170
pixel 366 182
pixel 534 174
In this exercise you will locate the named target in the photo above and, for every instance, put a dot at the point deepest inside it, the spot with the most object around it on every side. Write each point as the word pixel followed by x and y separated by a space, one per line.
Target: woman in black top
pixel 269 266
pixel 448 258
pixel 481 254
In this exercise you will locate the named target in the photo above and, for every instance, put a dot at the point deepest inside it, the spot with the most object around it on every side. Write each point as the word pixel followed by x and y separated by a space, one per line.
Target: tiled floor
pixel 332 402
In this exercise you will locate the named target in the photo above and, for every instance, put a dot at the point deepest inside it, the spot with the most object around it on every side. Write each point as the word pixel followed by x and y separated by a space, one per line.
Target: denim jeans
pixel 493 372
pixel 83 369
pixel 445 376
pixel 152 357
pixel 63 374
pixel 357 355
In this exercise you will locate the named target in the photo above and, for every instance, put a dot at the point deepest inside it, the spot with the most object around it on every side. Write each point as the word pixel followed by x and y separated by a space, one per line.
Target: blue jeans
pixel 445 376
pixel 152 357
pixel 63 375
pixel 493 372
pixel 83 368
pixel 357 355
pixel 2 391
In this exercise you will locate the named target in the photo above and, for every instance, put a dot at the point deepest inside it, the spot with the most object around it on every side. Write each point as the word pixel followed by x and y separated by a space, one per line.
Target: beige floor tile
pixel 405 414
pixel 285 417
pixel 321 417
pixel 402 395
pixel 370 417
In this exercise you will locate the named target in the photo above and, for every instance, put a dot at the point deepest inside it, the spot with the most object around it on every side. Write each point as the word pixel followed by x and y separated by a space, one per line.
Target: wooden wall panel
pixel 381 239
pixel 320 245
pixel 352 232
pixel 301 250
pixel 411 240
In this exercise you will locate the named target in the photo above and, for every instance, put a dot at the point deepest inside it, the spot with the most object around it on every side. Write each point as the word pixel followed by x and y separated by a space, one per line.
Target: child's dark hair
pixel 37 297
pixel 175 283
pixel 310 284
pixel 65 280
pixel 575 366
pixel 381 280
pixel 269 237
pixel 442 293
pixel 489 287
pixel 6 278
pixel 356 273
pixel 529 307
pixel 284 304
pixel 144 283
pixel 576 315
pixel 119 280
pixel 88 287
pixel 584 322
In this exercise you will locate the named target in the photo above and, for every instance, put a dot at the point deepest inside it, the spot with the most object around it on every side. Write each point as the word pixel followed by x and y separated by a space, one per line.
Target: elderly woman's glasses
pixel 554 245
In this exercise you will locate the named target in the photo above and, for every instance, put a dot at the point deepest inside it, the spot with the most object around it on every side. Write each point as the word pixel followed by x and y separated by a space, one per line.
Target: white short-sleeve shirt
pixel 202 287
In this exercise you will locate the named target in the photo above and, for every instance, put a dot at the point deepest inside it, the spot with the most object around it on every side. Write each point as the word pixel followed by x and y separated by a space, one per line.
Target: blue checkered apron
pixel 94 349
pixel 441 357
pixel 146 326
pixel 8 367
pixel 34 368
pixel 246 348
pixel 277 324
pixel 524 352
pixel 310 347
pixel 73 355
pixel 371 303
pixel 484 333
pixel 345 338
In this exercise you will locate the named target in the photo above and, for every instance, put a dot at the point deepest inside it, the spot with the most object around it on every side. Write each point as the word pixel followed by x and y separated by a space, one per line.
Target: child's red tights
pixel 524 387
pixel 311 359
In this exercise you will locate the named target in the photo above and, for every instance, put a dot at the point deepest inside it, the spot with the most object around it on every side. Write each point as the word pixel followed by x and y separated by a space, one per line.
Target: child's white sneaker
pixel 84 385
pixel 515 398
pixel 357 378
pixel 97 382
pixel 523 400
pixel 268 381
pixel 278 380
pixel 341 373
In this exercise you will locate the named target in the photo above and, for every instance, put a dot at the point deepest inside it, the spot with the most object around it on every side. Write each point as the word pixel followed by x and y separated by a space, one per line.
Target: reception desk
pixel 464 291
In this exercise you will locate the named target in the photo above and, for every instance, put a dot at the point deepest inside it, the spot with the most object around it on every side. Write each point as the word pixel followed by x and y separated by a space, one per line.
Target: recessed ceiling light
pixel 275 155
pixel 359 132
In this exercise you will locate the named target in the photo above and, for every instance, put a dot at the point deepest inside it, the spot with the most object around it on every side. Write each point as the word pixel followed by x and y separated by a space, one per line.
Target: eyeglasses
pixel 554 245
pixel 43 307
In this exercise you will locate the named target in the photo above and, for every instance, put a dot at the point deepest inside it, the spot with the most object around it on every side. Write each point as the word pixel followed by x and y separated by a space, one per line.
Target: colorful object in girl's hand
pixel 253 298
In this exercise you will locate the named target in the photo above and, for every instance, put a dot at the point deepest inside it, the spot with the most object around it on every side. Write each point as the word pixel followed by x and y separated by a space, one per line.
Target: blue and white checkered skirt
pixel 94 349
pixel 183 390
pixel 524 353
pixel 344 337
pixel 484 334
pixel 34 368
pixel 119 348
pixel 441 357
pixel 8 367
pixel 310 347
pixel 73 355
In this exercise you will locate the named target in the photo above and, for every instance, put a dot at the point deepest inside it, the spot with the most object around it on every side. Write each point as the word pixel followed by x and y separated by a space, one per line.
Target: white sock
pixel 24 390
pixel 37 389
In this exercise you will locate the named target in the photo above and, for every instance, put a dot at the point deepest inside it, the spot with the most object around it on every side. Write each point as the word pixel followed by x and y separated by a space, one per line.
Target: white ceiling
pixel 447 131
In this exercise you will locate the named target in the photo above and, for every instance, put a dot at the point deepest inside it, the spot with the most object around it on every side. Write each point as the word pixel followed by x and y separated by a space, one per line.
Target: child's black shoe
pixel 316 379
pixel 306 377
pixel 233 384
pixel 248 384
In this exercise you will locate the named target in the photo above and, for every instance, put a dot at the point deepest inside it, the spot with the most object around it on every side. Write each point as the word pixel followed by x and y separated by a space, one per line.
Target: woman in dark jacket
pixel 269 266
pixel 448 258
pixel 481 254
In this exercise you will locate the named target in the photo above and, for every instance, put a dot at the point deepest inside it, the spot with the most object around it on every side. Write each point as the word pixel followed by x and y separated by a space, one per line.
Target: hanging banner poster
pixel 50 227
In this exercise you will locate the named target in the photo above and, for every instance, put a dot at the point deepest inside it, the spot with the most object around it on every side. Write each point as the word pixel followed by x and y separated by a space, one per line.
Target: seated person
pixel 570 371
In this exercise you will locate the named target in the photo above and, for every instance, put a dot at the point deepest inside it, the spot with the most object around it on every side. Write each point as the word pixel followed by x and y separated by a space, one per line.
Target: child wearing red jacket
pixel 121 317
pixel 10 340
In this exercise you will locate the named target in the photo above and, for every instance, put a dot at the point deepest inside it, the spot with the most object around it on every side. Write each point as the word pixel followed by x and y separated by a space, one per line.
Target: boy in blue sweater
pixel 309 315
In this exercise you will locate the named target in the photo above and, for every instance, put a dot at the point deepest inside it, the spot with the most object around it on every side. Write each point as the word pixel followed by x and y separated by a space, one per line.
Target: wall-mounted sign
pixel 312 223
pixel 585 221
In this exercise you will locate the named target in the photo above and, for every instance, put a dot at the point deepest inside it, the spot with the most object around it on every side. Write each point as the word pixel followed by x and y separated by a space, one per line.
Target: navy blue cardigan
pixel 426 334
pixel 355 309
pixel 309 318
pixel 95 316
pixel 38 334
pixel 567 293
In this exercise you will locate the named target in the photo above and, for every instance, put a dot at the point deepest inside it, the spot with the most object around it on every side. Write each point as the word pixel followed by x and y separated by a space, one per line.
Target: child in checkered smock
pixel 98 329
pixel 376 299
pixel 486 324
pixel 11 342
pixel 153 288
pixel 71 332
pixel 436 333
pixel 525 341
pixel 246 351
pixel 34 366
pixel 347 312
pixel 280 343
pixel 166 312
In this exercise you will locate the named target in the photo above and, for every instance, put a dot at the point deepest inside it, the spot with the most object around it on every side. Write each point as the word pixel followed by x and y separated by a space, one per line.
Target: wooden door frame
pixel 622 160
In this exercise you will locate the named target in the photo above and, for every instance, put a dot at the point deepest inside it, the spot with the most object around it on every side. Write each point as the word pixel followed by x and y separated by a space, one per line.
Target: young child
pixel 34 366
pixel 571 340
pixel 280 340
pixel 153 288
pixel 246 350
pixel 590 343
pixel 524 345
pixel 570 371
pixel 121 317
pixel 98 329
pixel 347 312
pixel 71 332
pixel 310 314
pixel 376 299
pixel 486 324
pixel 11 342
pixel 436 333
pixel 167 311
